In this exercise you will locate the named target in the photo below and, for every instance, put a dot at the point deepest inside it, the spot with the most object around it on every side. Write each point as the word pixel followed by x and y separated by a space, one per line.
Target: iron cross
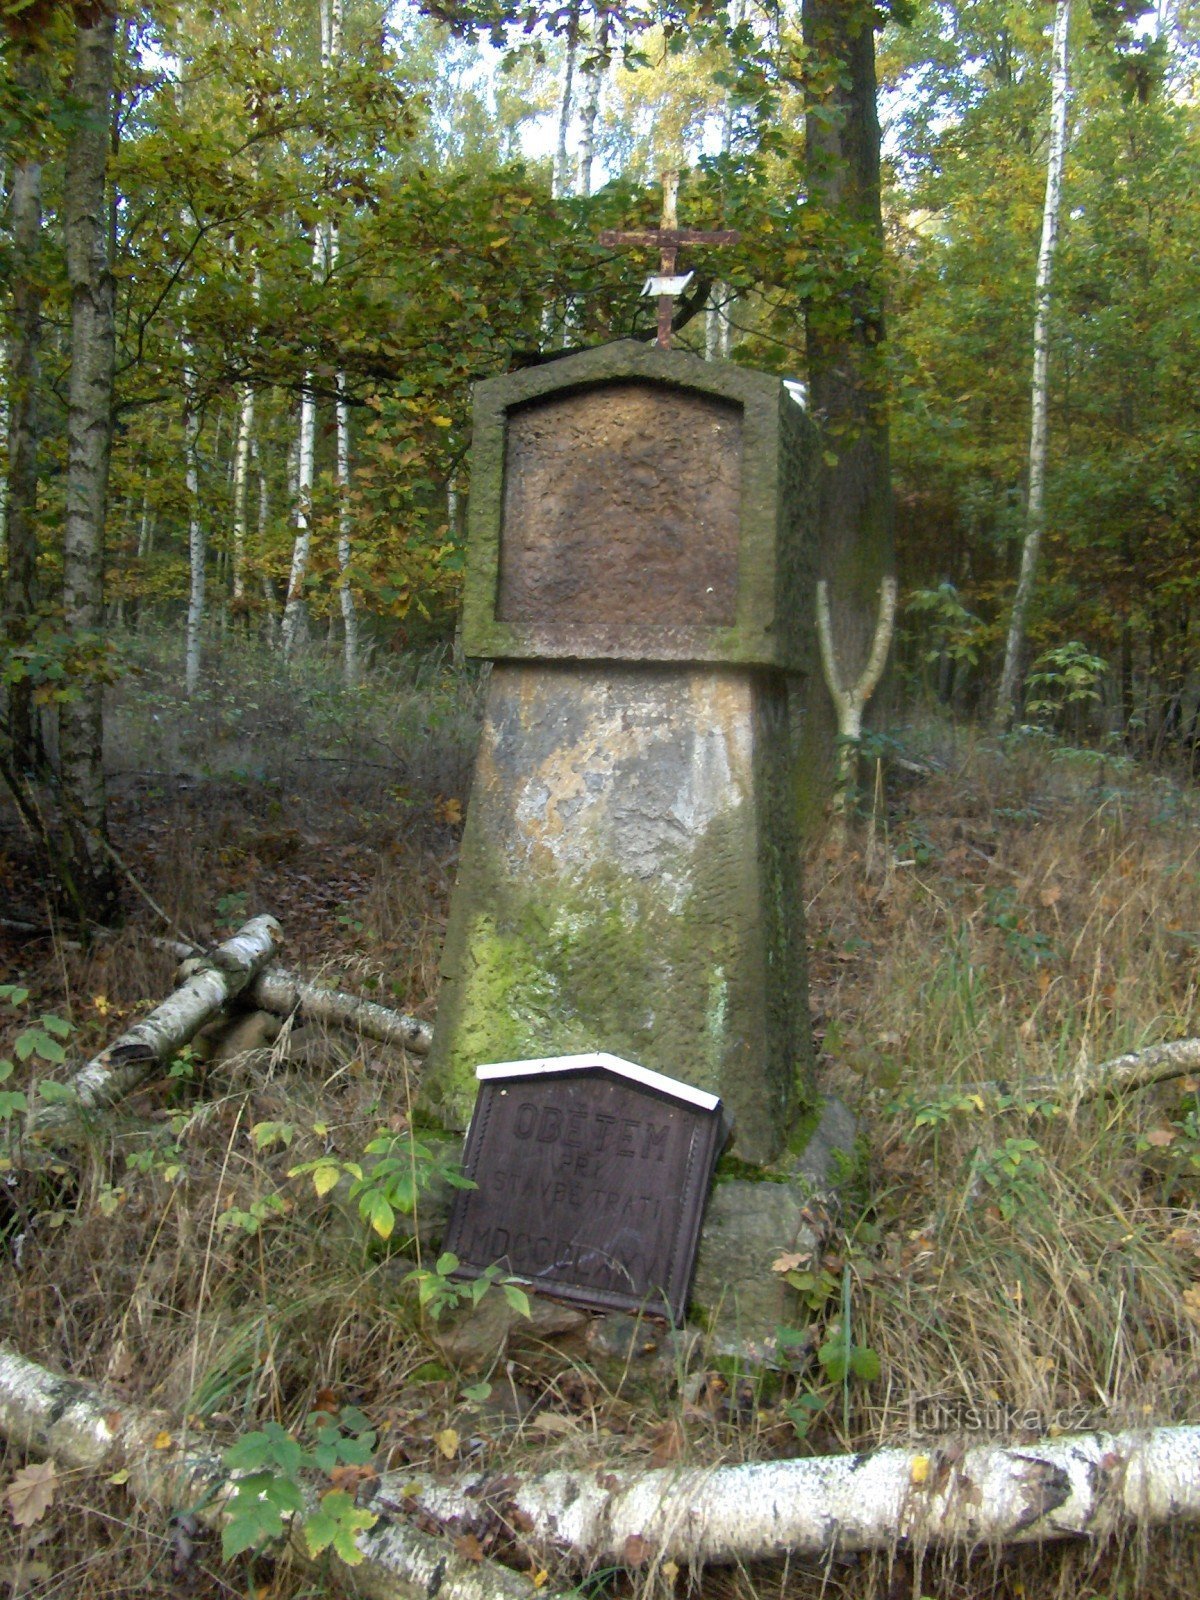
pixel 669 237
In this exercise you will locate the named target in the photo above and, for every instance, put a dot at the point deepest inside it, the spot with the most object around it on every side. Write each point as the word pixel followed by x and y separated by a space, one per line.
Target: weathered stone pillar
pixel 629 879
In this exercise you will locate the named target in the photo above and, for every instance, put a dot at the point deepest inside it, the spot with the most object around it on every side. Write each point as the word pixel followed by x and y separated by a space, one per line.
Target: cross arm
pixel 670 238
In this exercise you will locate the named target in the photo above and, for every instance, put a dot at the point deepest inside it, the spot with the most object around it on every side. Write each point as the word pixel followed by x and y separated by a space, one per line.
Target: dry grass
pixel 1023 909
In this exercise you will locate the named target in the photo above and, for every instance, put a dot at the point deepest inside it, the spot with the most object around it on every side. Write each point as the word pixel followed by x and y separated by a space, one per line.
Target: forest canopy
pixel 323 226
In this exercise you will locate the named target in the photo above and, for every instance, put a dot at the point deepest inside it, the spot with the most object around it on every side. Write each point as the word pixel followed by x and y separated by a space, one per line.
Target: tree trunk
pixel 562 166
pixel 285 994
pixel 197 542
pixel 844 334
pixel 126 1064
pixel 589 108
pixel 84 1428
pixel 1035 515
pixel 295 611
pixel 342 473
pixel 241 469
pixel 20 600
pixel 1086 1485
pixel 93 885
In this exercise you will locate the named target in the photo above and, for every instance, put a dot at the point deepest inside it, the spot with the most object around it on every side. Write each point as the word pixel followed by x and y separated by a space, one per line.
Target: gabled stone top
pixel 639 504
pixel 599 1060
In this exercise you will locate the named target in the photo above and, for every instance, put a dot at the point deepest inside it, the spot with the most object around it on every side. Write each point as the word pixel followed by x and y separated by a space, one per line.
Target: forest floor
pixel 1012 910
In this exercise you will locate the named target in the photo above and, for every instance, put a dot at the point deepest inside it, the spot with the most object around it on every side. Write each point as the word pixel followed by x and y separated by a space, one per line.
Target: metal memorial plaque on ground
pixel 591 1175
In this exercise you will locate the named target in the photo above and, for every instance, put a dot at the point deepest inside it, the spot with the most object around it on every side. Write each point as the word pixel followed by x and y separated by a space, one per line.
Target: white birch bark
pixel 85 861
pixel 197 542
pixel 850 700
pixel 295 611
pixel 1035 514
pixel 991 1494
pixel 286 994
pixel 133 1058
pixel 718 327
pixel 561 184
pixel 342 472
pixel 83 1428
pixel 295 615
pixel 241 473
pixel 589 106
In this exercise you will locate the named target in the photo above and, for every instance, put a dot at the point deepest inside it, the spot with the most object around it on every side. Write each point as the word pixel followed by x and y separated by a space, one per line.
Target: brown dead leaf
pixel 668 1441
pixel 31 1493
pixel 1161 1137
pixel 637 1550
pixel 1051 896
pixel 469 1547
pixel 791 1261
pixel 1191 1301
pixel 554 1422
pixel 350 1477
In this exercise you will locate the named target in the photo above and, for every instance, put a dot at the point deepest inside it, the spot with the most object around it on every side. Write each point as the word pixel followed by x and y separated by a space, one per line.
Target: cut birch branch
pixel 287 994
pixel 850 700
pixel 1085 1485
pixel 85 1428
pixel 1137 1069
pixel 126 1064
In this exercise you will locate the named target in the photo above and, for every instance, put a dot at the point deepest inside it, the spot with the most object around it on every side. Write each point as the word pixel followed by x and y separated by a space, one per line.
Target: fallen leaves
pixel 447 1442
pixel 31 1493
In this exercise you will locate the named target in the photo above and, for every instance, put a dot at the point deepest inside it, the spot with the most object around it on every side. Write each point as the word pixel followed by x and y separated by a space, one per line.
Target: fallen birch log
pixel 1086 1485
pixel 127 1063
pixel 287 994
pixel 84 1428
pixel 1136 1069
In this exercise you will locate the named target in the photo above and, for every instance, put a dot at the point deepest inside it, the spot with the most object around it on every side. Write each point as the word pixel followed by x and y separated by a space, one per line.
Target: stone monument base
pixel 629 875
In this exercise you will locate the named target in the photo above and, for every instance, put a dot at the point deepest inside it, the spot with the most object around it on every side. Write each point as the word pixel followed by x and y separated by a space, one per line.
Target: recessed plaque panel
pixel 591 1178
pixel 622 505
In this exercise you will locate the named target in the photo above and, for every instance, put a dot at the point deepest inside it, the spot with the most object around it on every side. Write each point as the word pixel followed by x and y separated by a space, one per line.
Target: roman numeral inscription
pixel 591 1175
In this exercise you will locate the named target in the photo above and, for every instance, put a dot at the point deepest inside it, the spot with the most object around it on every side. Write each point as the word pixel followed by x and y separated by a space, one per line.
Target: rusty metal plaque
pixel 591 1178
pixel 621 505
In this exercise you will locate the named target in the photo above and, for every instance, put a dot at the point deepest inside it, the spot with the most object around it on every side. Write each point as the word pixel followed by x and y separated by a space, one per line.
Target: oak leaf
pixel 31 1493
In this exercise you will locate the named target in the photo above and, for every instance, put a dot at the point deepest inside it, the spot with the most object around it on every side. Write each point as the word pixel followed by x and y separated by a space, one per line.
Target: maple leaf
pixel 31 1493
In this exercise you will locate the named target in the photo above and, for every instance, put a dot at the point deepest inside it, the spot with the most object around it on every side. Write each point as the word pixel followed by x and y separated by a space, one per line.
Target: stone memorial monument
pixel 629 878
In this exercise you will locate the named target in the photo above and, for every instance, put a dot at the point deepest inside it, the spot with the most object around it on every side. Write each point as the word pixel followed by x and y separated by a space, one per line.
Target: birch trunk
pixel 342 472
pixel 562 166
pixel 1035 514
pixel 589 107
pixel 1081 1486
pixel 850 700
pixel 286 994
pixel 85 1428
pixel 241 472
pixel 197 542
pixel 93 884
pixel 133 1058
pixel 295 610
pixel 20 492
pixel 718 331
